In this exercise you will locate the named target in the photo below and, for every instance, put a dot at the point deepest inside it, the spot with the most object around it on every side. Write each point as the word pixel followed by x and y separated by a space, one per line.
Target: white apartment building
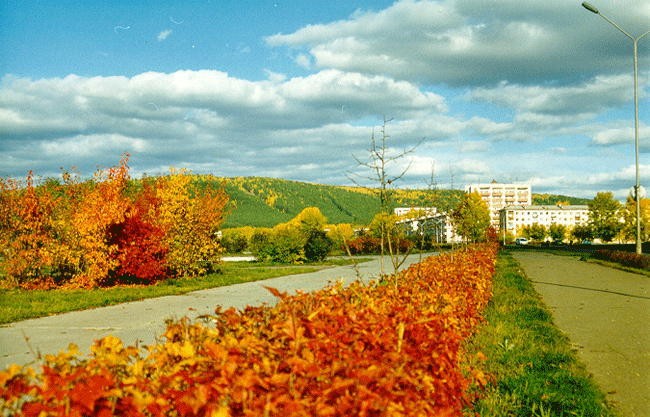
pixel 439 225
pixel 513 218
pixel 402 211
pixel 497 196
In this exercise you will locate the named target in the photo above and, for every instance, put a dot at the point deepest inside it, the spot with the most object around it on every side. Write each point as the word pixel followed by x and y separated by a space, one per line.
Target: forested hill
pixel 548 199
pixel 266 202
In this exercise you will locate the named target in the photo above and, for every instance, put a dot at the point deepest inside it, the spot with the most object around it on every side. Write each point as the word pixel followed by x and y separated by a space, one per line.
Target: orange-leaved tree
pixel 98 205
pixel 27 230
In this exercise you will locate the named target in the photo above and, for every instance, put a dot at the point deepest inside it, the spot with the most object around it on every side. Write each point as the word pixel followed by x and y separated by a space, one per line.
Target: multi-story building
pixel 513 218
pixel 428 220
pixel 497 196
pixel 403 211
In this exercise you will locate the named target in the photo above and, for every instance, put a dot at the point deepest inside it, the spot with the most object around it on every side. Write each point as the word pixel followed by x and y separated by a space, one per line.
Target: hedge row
pixel 364 350
pixel 629 259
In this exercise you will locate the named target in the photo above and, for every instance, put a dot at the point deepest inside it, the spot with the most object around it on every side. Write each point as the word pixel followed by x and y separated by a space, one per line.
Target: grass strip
pixel 537 373
pixel 18 304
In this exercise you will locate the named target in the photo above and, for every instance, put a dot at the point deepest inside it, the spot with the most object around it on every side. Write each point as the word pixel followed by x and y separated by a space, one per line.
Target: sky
pixel 511 91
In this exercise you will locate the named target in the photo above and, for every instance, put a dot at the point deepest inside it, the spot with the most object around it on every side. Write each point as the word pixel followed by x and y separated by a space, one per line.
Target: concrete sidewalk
pixel 606 314
pixel 143 321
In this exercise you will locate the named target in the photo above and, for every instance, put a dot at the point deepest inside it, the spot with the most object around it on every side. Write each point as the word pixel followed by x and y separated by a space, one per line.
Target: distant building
pixel 403 211
pixel 513 218
pixel 497 196
pixel 429 221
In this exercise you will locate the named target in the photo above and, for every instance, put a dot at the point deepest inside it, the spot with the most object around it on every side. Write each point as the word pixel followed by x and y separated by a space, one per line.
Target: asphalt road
pixel 606 314
pixel 142 322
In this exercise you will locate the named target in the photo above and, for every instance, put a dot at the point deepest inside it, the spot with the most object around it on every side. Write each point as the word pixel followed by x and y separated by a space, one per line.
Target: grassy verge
pixel 17 304
pixel 537 373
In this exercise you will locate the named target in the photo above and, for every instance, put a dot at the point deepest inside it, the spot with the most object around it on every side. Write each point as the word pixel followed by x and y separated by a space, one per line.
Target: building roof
pixel 547 207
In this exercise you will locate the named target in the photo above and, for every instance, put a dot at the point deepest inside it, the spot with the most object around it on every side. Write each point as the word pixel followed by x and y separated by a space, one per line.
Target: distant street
pixel 606 314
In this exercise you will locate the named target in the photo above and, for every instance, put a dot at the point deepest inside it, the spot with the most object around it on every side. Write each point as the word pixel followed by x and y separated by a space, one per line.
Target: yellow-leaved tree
pixel 191 212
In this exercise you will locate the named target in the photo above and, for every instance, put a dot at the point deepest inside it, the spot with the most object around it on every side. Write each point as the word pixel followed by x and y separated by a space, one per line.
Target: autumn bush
pixel 301 239
pixel 629 259
pixel 109 229
pixel 234 240
pixel 366 350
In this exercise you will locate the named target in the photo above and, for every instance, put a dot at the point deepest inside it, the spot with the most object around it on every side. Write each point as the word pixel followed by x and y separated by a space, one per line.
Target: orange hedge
pixel 370 350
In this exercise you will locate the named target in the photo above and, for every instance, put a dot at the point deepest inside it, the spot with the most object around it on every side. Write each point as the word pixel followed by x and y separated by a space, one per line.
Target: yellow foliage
pixel 191 217
pixel 340 233
pixel 308 220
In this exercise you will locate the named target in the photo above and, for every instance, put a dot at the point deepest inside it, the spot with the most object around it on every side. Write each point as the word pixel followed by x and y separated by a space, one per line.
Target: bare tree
pixel 380 160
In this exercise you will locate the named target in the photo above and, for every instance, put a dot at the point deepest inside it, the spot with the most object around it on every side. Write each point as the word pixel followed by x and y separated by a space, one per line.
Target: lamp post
pixel 636 123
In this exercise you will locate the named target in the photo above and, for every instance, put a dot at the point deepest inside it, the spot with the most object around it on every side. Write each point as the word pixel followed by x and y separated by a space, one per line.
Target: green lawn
pixel 17 304
pixel 536 371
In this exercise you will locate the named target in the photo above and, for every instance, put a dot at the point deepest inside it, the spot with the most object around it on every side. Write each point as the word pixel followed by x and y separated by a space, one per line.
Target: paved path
pixel 143 321
pixel 606 314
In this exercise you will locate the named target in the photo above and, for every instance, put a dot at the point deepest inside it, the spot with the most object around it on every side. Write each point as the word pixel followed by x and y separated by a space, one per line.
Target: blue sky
pixel 538 92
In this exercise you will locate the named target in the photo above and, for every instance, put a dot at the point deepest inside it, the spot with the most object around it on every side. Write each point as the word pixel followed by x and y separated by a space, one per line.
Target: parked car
pixel 586 242
pixel 521 241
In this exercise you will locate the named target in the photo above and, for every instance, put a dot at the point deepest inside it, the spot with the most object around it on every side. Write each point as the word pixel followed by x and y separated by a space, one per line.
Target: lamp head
pixel 589 7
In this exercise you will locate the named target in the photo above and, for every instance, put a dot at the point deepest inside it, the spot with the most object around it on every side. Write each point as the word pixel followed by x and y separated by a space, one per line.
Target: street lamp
pixel 636 124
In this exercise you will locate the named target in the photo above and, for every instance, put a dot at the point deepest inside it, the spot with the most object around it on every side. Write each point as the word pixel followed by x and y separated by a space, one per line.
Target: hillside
pixel 266 202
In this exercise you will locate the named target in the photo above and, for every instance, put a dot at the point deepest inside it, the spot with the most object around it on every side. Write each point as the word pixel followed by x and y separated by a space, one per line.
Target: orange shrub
pixel 28 230
pixel 362 350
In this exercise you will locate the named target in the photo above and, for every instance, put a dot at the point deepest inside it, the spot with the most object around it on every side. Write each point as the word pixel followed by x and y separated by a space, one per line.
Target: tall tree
pixel 581 232
pixel 471 217
pixel 535 232
pixel 629 215
pixel 604 217
pixel 557 231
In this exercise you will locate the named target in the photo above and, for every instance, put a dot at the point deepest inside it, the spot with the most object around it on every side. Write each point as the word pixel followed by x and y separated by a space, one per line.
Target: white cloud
pixel 588 98
pixel 303 61
pixel 500 90
pixel 90 145
pixel 461 43
pixel 164 34
pixel 207 115
pixel 473 146
pixel 622 135
pixel 242 48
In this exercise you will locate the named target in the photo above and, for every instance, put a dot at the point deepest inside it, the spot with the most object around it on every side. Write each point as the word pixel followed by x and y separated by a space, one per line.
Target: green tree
pixel 471 217
pixel 535 232
pixel 318 245
pixel 234 240
pixel 629 216
pixel 557 231
pixel 261 244
pixel 581 232
pixel 604 218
